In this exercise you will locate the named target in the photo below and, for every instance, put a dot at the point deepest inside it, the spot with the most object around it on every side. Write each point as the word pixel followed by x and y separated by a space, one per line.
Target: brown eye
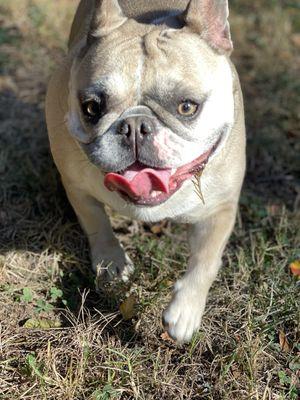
pixel 92 110
pixel 187 108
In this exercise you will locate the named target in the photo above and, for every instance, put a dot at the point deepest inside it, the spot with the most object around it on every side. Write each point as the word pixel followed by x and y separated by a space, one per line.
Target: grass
pixel 59 338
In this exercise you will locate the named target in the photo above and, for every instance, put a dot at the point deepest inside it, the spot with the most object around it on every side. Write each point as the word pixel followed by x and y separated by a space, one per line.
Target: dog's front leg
pixel 207 240
pixel 109 259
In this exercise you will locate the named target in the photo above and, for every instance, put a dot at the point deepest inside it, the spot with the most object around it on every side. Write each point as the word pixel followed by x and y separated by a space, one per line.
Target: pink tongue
pixel 138 181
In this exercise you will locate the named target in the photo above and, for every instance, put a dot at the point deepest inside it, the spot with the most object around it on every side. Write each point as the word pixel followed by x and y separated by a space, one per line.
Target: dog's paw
pixel 113 271
pixel 182 318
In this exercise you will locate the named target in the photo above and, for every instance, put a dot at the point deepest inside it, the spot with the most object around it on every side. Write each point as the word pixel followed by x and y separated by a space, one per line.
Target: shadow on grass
pixel 35 215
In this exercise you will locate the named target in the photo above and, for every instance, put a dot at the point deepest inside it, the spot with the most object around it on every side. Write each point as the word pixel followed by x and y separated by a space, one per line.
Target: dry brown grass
pixel 44 266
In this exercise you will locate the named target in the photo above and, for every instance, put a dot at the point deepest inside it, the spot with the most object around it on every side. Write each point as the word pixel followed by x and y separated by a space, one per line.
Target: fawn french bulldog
pixel 146 101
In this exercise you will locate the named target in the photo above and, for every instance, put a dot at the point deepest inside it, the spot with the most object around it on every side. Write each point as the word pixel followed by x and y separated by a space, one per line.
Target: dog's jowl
pixel 146 102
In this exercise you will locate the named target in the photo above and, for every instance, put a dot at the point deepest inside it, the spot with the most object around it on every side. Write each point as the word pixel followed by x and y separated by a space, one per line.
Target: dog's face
pixel 151 104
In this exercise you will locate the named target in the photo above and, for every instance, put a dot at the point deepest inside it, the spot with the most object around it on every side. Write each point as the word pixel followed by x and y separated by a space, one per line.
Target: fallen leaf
pixel 159 228
pixel 41 323
pixel 166 337
pixel 165 283
pixel 156 229
pixel 296 39
pixel 295 267
pixel 235 372
pixel 283 342
pixel 273 209
pixel 127 308
pixel 7 84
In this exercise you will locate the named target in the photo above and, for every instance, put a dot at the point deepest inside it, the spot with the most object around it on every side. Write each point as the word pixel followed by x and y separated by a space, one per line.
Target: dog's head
pixel 150 103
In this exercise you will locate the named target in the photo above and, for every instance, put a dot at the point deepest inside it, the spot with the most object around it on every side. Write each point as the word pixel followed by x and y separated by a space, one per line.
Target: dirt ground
pixel 59 338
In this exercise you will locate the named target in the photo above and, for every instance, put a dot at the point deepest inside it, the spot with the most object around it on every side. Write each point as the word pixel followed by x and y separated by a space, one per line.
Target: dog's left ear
pixel 107 17
pixel 209 18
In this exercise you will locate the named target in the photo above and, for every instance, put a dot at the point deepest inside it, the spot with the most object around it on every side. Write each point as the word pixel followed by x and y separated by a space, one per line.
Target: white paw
pixel 182 318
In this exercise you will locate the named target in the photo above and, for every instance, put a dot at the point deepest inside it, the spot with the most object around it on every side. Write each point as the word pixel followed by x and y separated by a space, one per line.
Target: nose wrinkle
pixel 137 111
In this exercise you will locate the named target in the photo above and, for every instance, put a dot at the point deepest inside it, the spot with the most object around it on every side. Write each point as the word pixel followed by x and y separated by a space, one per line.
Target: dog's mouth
pixel 148 186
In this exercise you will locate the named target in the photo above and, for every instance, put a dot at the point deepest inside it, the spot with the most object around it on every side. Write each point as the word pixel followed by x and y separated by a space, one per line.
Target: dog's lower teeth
pixel 154 194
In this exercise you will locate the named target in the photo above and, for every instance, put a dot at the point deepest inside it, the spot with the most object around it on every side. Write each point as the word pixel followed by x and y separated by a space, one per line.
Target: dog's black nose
pixel 136 126
pixel 136 130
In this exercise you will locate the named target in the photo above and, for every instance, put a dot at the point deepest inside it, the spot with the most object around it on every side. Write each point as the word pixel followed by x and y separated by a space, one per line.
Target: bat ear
pixel 107 17
pixel 209 18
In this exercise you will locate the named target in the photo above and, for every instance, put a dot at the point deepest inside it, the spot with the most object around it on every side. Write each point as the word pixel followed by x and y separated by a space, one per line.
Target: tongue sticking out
pixel 138 181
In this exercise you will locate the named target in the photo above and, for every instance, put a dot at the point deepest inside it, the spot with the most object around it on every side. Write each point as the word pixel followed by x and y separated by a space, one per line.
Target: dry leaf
pixel 166 283
pixel 284 344
pixel 156 229
pixel 273 209
pixel 296 39
pixel 166 337
pixel 295 267
pixel 127 308
pixel 236 372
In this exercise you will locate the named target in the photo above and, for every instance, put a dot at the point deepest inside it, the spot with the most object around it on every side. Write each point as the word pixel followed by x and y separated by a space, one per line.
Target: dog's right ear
pixel 209 19
pixel 107 17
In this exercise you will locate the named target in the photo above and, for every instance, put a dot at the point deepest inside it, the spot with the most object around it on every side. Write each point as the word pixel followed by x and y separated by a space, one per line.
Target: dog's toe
pixel 127 270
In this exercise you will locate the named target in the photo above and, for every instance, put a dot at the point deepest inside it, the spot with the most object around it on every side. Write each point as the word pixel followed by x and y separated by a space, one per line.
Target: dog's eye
pixel 92 110
pixel 187 108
